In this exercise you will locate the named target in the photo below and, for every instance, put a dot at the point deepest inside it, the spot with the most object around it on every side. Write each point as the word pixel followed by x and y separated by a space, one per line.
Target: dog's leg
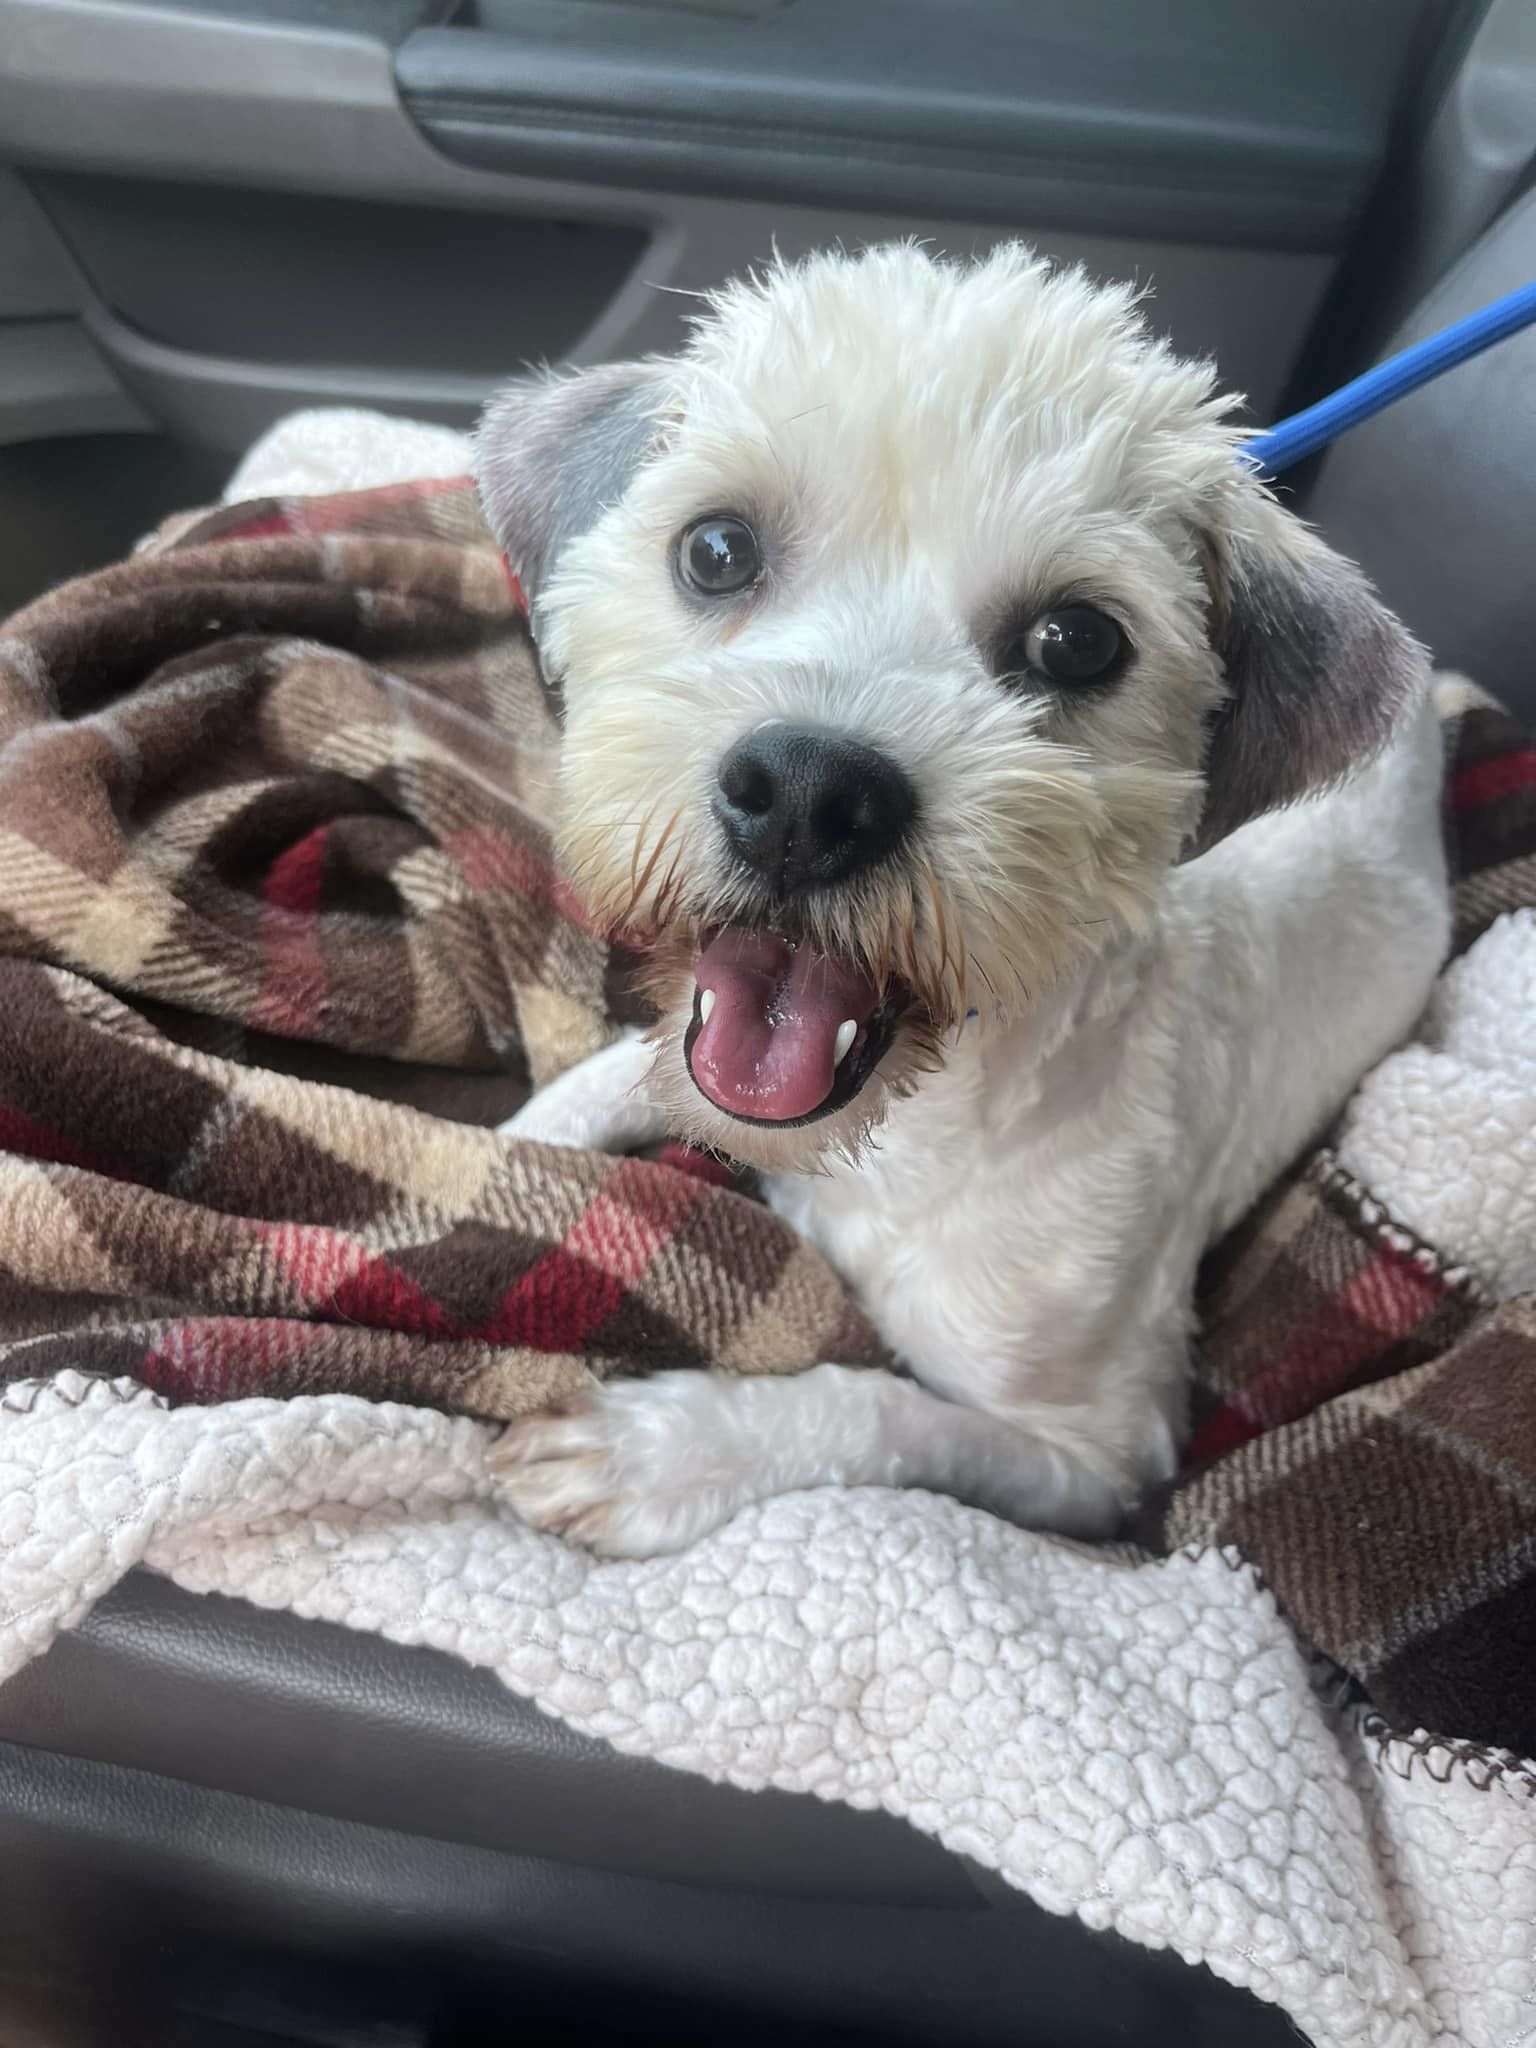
pixel 598 1105
pixel 642 1466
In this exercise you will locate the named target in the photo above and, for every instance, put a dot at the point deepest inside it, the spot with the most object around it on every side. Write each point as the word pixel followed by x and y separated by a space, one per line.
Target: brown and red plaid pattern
pixel 281 938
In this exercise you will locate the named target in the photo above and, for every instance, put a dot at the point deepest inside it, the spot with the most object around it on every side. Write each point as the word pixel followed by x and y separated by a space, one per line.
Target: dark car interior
pixel 222 1826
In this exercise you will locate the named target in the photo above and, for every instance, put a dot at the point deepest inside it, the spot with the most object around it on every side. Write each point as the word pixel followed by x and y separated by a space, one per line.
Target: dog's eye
pixel 719 556
pixel 1070 645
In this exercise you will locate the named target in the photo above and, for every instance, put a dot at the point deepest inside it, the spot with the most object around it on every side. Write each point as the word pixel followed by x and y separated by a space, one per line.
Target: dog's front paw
pixel 634 1469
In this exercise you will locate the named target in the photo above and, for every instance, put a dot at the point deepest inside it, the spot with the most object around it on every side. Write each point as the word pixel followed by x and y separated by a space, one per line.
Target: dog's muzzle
pixel 782 1033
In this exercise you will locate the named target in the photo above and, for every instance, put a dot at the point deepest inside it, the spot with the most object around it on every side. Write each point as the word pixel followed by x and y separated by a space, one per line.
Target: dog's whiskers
pixel 939 919
pixel 665 894
pixel 644 882
pixel 634 863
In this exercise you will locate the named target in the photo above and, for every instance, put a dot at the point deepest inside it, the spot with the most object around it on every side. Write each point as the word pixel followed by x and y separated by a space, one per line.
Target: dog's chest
pixel 991 1241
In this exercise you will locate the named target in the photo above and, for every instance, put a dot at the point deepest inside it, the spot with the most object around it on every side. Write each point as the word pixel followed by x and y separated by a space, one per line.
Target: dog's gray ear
pixel 554 451
pixel 1317 670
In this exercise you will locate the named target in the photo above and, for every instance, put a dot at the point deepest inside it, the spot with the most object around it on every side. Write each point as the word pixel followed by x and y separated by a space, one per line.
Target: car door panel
pixel 394 202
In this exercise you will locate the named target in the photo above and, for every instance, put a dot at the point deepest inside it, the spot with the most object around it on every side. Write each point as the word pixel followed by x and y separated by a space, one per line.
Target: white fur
pixel 1027 1217
pixel 917 446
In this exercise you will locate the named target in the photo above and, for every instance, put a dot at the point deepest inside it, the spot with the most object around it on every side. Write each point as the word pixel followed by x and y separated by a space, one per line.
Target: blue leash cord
pixel 1290 442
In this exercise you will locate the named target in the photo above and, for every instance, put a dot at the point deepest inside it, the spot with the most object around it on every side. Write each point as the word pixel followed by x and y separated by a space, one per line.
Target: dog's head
pixel 909 627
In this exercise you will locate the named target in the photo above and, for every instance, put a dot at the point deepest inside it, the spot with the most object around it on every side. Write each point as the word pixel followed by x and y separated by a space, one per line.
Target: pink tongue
pixel 768 1048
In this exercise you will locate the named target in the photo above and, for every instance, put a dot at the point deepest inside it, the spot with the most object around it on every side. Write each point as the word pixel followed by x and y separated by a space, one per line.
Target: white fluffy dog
pixel 927 659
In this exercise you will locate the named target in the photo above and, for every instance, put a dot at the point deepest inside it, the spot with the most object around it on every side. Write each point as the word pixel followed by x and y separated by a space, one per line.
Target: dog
pixel 1036 833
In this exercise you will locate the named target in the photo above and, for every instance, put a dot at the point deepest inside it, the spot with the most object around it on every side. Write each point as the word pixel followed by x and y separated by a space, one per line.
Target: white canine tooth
pixel 706 1004
pixel 847 1032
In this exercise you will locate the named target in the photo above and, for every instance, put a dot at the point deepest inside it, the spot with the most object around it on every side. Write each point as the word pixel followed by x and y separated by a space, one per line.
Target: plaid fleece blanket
pixel 281 939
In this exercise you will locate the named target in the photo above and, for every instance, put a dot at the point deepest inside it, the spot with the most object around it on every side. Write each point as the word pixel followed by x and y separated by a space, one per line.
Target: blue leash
pixel 1283 446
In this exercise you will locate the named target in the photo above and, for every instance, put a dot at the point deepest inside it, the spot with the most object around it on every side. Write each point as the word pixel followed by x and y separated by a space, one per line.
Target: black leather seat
pixel 234 1816
pixel 219 1825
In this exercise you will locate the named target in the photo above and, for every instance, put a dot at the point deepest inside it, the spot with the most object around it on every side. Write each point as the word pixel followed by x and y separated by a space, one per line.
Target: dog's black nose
pixel 806 808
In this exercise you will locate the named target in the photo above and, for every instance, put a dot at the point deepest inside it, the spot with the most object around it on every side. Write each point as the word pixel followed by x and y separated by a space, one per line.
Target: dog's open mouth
pixel 782 1034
